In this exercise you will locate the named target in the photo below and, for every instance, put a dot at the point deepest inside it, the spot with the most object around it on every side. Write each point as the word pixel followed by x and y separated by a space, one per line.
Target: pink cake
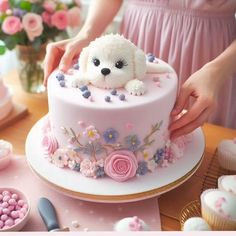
pixel 5 100
pixel 106 131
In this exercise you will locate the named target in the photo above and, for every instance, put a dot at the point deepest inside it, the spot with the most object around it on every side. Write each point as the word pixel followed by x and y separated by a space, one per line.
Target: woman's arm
pixel 204 86
pixel 100 15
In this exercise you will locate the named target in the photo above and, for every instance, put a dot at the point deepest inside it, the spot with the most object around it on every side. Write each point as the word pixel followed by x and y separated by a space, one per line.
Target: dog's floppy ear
pixel 139 63
pixel 83 59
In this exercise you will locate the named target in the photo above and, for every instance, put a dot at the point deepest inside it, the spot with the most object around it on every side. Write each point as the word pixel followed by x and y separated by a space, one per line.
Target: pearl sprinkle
pixel 12 209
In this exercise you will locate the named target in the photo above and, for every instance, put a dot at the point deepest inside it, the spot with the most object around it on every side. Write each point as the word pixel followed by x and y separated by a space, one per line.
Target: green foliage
pixel 2 48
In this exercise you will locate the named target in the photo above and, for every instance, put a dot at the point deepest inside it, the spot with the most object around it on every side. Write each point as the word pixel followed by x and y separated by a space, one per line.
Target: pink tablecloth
pixel 90 216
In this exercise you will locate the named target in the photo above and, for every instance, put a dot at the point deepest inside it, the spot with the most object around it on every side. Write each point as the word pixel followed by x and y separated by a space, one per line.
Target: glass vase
pixel 30 71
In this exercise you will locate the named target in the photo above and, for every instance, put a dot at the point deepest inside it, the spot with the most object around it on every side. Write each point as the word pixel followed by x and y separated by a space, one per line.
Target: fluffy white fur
pixel 108 53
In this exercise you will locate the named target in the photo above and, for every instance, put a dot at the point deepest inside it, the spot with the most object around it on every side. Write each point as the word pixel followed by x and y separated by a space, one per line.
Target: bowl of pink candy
pixel 14 209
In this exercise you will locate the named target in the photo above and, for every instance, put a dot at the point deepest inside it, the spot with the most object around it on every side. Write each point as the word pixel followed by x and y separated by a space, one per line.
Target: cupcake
pixel 131 224
pixel 227 154
pixel 196 224
pixel 219 209
pixel 227 183
pixel 5 153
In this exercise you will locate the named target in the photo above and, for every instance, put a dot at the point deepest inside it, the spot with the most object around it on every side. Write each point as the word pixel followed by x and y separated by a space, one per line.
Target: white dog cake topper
pixel 112 61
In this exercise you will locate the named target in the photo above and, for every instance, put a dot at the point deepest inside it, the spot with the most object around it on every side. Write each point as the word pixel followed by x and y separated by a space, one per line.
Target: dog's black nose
pixel 105 71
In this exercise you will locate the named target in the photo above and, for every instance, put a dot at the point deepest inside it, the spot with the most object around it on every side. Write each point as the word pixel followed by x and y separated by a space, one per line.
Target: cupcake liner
pixel 214 219
pixel 227 160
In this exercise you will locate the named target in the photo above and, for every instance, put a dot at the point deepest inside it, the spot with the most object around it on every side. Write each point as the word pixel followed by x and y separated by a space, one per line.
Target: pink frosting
pixel 121 165
pixel 49 143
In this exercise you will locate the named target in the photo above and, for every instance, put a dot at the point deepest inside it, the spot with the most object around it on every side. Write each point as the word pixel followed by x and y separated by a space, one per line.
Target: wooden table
pixel 170 203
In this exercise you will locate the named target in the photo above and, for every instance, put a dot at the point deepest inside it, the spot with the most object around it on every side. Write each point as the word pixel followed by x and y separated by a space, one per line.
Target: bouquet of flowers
pixel 35 22
pixel 29 25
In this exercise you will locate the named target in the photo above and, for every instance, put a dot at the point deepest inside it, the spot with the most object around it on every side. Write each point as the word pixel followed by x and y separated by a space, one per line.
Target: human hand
pixel 62 54
pixel 203 86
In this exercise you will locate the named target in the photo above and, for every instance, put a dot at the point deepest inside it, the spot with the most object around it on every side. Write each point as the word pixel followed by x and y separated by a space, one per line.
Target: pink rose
pixel 33 25
pixel 49 143
pixel 49 6
pixel 74 17
pixel 121 165
pixel 4 5
pixel 11 25
pixel 46 18
pixel 59 20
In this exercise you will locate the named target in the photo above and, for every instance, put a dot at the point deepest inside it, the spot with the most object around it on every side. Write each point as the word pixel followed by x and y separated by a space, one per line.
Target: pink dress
pixel 186 34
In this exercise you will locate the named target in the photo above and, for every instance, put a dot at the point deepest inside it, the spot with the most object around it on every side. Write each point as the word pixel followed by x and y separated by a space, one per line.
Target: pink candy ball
pixel 5 204
pixel 5 211
pixel 12 209
pixel 4 217
pixel 9 222
pixel 15 214
pixel 21 203
pixel 6 198
pixel 6 193
pixel 14 196
pixel 12 201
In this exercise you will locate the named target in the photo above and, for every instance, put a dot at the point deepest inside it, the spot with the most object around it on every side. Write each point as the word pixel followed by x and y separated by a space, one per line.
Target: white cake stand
pixel 76 185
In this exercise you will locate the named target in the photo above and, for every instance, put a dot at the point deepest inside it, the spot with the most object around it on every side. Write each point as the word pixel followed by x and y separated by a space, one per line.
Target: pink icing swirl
pixel 49 143
pixel 121 165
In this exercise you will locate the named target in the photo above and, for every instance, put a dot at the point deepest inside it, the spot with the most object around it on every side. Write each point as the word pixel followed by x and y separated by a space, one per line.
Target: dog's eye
pixel 96 62
pixel 120 64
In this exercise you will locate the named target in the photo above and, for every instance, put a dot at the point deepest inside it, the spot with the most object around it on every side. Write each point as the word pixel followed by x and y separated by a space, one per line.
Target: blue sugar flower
pixel 110 135
pixel 100 172
pixel 159 155
pixel 142 168
pixel 132 142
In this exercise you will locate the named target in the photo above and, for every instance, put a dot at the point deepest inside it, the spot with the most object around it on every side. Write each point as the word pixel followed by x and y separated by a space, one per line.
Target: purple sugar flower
pixel 132 142
pixel 142 168
pixel 110 135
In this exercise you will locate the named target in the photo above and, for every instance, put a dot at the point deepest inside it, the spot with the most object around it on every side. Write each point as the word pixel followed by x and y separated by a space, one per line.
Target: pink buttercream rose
pixel 49 143
pixel 121 165
pixel 46 18
pixel 11 25
pixel 4 5
pixel 74 17
pixel 33 25
pixel 49 6
pixel 59 19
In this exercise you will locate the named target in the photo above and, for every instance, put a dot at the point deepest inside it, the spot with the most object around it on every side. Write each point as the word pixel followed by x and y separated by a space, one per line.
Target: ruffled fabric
pixel 187 35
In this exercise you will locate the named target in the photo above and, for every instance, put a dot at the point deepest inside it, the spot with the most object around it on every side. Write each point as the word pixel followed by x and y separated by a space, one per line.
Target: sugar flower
pixel 132 142
pixel 110 135
pixel 11 25
pixel 92 133
pixel 88 168
pixel 121 165
pixel 60 158
pixel 33 25
pixel 49 143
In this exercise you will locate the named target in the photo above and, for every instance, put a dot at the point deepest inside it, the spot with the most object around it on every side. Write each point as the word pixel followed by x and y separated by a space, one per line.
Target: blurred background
pixel 9 60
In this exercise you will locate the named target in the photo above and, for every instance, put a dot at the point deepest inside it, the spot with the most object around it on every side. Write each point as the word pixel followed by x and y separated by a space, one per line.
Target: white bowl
pixel 21 224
